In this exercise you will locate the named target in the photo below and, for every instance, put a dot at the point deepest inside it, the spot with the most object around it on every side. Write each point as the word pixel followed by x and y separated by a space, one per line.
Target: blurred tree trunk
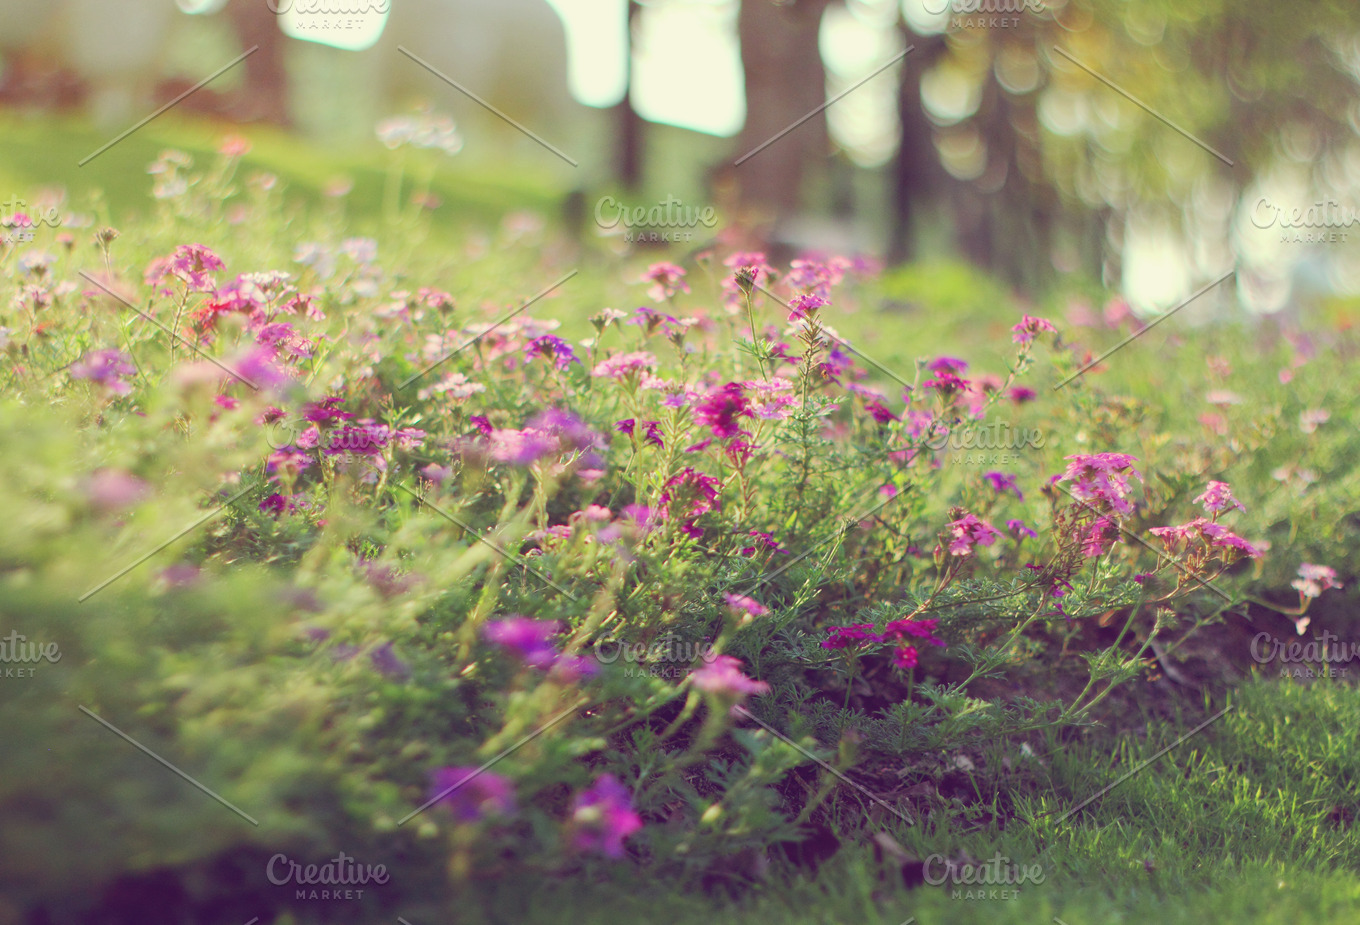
pixel 785 81
pixel 264 95
pixel 627 122
pixel 917 174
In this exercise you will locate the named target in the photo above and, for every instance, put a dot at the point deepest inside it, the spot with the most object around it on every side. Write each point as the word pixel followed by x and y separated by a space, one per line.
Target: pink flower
pixel 1025 331
pixel 1019 529
pixel 740 603
pixel 1314 579
pixel 1020 394
pixel 689 495
pixel 194 264
pixel 723 676
pixel 1002 482
pixel 624 364
pixel 666 278
pixel 969 531
pixel 806 306
pixel 1098 537
pixel 603 817
pixel 1101 477
pixel 906 657
pixel 113 489
pixel 527 638
pixel 1218 497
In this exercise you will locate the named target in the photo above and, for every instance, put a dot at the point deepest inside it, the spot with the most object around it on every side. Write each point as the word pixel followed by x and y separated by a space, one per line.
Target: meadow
pixel 378 545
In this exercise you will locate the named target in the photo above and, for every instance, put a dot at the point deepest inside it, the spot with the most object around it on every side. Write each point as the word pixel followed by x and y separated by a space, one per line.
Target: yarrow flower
pixel 1029 327
pixel 603 817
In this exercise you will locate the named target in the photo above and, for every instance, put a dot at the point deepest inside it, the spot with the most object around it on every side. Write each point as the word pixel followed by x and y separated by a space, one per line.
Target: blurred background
pixel 1147 147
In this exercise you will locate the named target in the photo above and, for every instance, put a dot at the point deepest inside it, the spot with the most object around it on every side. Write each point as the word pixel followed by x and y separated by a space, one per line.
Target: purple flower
pixel 1019 529
pixel 1001 483
pixel 947 365
pixel 603 817
pixel 107 367
pixel 527 638
pixel 805 307
pixel 552 348
pixel 471 795
pixel 385 660
pixel 666 278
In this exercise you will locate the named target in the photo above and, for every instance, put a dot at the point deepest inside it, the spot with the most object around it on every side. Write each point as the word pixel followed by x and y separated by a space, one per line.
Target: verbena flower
pixel 603 817
pixel 1029 327
pixel 527 638
pixel 1002 482
pixel 551 348
pixel 740 603
pixel 107 367
pixel 624 364
pixel 667 279
pixel 969 531
pixel 1101 478
pixel 1218 497
pixel 722 676
pixel 1314 579
pixel 720 409
pixel 840 637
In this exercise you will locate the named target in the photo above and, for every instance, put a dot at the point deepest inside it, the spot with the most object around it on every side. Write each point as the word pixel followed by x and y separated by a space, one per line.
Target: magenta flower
pixel 1020 394
pixel 1099 537
pixel 603 817
pixel 666 278
pixel 969 531
pixel 1314 579
pixel 720 409
pixel 906 657
pixel 688 496
pixel 840 637
pixel 1025 331
pixel 947 365
pixel 106 367
pixel 914 628
pixel 722 676
pixel 1001 483
pixel 1218 497
pixel 1019 529
pixel 804 307
pixel 471 795
pixel 113 489
pixel 527 638
pixel 766 540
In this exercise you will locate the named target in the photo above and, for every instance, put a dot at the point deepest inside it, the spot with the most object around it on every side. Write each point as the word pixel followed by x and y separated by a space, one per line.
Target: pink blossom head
pixel 603 817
